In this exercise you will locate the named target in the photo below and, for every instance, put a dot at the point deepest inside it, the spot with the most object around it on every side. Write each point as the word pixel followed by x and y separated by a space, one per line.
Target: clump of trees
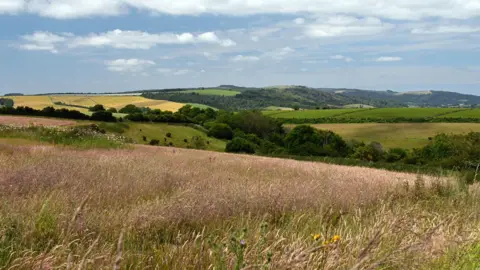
pixel 58 113
pixel 6 102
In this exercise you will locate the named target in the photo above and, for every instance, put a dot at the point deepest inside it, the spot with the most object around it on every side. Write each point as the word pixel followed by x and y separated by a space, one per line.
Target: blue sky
pixel 120 45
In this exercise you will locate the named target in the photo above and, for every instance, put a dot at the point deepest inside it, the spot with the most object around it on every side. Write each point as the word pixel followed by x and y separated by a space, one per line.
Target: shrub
pixel 112 110
pixel 371 152
pixel 396 154
pixel 103 116
pixel 220 131
pixel 97 108
pixel 197 142
pixel 169 135
pixel 130 109
pixel 144 138
pixel 308 141
pixel 154 142
pixel 240 145
pixel 185 140
pixel 7 102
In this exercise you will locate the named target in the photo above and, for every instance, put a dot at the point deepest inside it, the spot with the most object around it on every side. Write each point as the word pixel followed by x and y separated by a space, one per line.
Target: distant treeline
pixel 58 113
pixel 332 120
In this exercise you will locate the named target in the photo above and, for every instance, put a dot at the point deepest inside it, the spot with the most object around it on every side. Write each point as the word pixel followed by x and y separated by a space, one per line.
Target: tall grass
pixel 163 208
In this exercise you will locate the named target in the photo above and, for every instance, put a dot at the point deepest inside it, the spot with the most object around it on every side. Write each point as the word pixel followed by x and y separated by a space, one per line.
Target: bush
pixel 197 142
pixel 169 135
pixel 307 141
pixel 371 152
pixel 7 102
pixel 220 131
pixel 103 116
pixel 154 142
pixel 112 110
pixel 396 154
pixel 240 145
pixel 97 108
pixel 130 109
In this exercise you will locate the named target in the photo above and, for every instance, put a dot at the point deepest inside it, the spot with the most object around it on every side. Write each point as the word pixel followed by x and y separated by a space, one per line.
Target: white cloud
pixel 128 65
pixel 299 21
pixel 388 59
pixel 242 58
pixel 280 54
pixel 11 6
pixel 143 40
pixel 175 72
pixel 446 29
pixel 43 41
pixel 341 57
pixel 392 9
pixel 346 26
pixel 118 39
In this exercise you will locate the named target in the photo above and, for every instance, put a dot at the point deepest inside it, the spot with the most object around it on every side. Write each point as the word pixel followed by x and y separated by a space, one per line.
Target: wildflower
pixel 316 236
pixel 336 238
pixel 243 243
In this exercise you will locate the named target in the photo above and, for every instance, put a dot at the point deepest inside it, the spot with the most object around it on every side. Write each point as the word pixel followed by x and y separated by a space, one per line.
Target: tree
pixel 197 142
pixel 130 109
pixel 112 110
pixel 6 102
pixel 103 116
pixel 97 108
pixel 220 131
pixel 296 107
pixel 306 140
pixel 240 145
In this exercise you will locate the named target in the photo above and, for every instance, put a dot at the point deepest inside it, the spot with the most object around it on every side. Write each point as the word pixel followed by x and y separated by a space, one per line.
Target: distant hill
pixel 429 98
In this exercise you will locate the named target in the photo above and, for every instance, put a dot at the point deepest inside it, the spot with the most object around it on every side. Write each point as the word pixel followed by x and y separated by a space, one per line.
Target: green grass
pixel 475 113
pixel 201 106
pixel 405 135
pixel 136 131
pixel 213 92
pixel 276 108
pixel 389 113
pixel 311 114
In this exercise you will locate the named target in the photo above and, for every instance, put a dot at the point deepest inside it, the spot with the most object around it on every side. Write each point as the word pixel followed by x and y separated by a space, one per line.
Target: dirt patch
pixel 25 121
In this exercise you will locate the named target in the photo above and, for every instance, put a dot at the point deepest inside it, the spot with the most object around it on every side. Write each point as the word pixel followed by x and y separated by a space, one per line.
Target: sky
pixel 123 45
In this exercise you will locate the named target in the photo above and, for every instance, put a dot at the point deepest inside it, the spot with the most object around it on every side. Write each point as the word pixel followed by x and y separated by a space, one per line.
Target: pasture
pixel 405 135
pixel 378 113
pixel 213 92
pixel 109 101
pixel 164 208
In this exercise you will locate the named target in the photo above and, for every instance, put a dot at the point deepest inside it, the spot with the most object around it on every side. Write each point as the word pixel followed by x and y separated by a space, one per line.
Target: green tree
pixel 220 131
pixel 130 109
pixel 97 108
pixel 240 145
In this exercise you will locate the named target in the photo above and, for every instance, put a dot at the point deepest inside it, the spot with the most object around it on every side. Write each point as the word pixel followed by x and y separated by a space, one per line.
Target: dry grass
pixel 26 121
pixel 164 208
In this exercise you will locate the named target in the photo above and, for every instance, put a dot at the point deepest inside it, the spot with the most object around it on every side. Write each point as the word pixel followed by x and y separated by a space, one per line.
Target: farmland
pixel 405 135
pixel 118 102
pixel 380 113
pixel 213 92
pixel 102 209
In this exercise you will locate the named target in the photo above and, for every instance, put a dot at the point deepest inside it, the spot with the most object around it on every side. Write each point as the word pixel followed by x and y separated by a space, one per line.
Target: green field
pixel 136 131
pixel 201 106
pixel 312 114
pixel 381 113
pixel 405 135
pixel 475 113
pixel 213 92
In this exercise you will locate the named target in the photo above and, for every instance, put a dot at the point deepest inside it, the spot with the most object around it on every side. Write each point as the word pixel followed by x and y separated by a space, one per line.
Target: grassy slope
pixel 136 131
pixel 195 209
pixel 386 113
pixel 407 135
pixel 475 113
pixel 311 113
pixel 213 92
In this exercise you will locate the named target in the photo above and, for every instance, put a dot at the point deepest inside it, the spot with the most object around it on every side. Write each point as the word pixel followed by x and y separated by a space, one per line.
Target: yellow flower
pixel 316 236
pixel 336 238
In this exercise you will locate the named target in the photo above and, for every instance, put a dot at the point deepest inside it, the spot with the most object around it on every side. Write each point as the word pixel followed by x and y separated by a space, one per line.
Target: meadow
pixel 379 113
pixel 164 208
pixel 108 101
pixel 390 135
pixel 213 92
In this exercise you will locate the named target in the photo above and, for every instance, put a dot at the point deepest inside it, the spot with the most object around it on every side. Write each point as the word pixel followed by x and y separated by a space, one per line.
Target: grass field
pixel 311 113
pixel 213 92
pixel 160 208
pixel 405 135
pixel 386 113
pixel 118 102
pixel 475 113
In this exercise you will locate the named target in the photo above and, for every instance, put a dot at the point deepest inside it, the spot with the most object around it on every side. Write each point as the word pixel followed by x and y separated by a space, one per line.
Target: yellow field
pixel 118 102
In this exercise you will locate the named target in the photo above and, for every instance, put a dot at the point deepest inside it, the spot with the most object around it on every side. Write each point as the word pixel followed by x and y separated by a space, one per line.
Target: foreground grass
pixel 163 208
pixel 405 135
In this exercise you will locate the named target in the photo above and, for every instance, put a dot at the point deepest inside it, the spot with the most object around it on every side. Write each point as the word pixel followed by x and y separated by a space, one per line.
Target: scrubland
pixel 165 208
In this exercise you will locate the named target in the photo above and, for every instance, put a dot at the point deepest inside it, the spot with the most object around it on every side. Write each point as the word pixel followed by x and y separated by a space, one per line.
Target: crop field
pixel 311 113
pixel 380 113
pixel 405 135
pixel 118 102
pixel 165 208
pixel 475 113
pixel 213 92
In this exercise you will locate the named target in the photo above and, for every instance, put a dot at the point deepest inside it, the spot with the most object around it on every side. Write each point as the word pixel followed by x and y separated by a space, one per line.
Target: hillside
pixel 230 97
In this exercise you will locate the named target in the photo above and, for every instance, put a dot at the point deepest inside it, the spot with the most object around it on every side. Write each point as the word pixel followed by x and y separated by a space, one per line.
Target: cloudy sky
pixel 117 45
